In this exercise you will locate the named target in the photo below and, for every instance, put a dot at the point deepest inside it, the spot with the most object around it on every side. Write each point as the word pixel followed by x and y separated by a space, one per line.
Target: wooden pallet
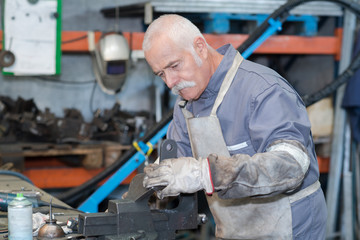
pixel 61 165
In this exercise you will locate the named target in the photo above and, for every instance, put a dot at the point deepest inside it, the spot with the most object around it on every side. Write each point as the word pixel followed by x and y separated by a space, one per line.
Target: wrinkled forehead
pixel 162 53
pixel 163 46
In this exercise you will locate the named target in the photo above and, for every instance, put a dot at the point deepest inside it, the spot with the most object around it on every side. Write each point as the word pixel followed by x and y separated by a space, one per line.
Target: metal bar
pixel 347 216
pixel 243 6
pixel 284 44
pixel 274 27
pixel 337 150
pixel 356 163
pixel 91 204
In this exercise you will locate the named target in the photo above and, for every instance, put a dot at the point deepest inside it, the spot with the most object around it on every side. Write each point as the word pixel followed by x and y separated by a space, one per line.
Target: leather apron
pixel 245 218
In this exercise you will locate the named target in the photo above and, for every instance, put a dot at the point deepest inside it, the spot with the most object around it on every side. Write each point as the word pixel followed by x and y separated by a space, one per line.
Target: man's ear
pixel 200 47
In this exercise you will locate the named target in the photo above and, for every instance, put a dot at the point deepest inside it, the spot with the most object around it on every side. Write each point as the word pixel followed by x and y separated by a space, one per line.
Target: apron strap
pixel 305 192
pixel 187 114
pixel 227 82
pixel 223 89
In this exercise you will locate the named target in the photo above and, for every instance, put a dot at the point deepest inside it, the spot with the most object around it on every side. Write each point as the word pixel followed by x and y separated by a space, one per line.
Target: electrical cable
pixel 281 14
pixel 74 39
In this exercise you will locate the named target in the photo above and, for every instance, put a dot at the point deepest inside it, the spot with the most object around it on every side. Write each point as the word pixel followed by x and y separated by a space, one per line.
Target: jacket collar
pixel 217 78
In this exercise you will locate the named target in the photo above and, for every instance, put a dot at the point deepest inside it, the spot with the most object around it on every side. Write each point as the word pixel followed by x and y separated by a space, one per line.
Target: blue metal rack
pixel 219 23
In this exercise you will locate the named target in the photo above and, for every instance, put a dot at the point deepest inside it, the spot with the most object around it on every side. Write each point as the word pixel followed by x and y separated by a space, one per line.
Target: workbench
pixel 9 183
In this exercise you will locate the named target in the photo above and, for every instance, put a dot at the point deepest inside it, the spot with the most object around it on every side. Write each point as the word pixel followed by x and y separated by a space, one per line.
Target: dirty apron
pixel 245 218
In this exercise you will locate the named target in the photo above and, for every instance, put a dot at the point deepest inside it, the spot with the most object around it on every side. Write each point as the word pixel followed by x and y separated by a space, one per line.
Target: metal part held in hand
pixel 132 218
pixel 168 149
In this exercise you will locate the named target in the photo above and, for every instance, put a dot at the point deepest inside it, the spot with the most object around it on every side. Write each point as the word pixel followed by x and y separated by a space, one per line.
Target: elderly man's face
pixel 177 67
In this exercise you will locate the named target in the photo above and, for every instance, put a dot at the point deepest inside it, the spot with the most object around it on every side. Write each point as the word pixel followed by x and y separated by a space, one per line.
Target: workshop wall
pixel 74 87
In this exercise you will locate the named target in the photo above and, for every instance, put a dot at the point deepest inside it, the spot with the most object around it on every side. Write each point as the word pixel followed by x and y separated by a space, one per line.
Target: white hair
pixel 179 29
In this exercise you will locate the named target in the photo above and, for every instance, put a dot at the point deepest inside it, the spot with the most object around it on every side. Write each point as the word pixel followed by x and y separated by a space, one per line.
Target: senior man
pixel 243 137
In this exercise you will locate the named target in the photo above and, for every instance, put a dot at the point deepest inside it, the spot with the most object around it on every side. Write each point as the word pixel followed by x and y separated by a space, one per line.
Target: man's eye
pixel 174 66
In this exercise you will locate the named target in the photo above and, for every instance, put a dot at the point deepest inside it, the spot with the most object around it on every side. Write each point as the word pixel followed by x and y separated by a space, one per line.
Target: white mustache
pixel 184 84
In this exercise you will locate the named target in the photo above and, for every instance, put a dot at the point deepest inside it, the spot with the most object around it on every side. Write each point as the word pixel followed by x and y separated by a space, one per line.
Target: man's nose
pixel 171 79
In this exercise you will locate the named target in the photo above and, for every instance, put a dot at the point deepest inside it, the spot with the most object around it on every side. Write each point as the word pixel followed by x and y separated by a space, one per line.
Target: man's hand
pixel 179 175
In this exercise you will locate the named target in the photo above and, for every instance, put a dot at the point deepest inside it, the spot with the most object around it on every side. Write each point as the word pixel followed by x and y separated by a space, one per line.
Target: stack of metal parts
pixel 22 121
pixel 317 8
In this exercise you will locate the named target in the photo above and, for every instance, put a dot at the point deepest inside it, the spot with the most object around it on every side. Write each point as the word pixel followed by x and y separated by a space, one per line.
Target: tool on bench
pixel 51 230
pixel 132 218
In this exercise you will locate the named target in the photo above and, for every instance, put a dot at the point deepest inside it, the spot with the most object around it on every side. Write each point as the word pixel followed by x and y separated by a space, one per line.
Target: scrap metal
pixel 22 121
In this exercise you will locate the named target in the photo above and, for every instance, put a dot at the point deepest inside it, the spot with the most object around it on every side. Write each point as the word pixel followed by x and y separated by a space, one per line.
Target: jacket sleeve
pixel 279 130
pixel 177 131
pixel 280 169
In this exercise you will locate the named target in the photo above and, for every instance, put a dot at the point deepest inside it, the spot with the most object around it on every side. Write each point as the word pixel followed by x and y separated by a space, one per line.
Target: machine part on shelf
pixel 7 58
pixel 132 218
pixel 51 230
pixel 46 118
pixel 22 121
pixel 2 107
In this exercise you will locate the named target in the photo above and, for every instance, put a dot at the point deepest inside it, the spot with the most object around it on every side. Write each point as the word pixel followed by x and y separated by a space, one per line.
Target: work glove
pixel 179 175
pixel 281 169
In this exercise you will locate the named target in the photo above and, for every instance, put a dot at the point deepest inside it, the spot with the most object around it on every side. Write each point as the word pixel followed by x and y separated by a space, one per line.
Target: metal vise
pixel 132 218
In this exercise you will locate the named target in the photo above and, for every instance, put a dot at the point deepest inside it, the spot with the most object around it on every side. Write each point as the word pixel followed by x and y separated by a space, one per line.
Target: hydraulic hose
pixel 330 88
pixel 75 193
pixel 16 174
pixel 281 14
